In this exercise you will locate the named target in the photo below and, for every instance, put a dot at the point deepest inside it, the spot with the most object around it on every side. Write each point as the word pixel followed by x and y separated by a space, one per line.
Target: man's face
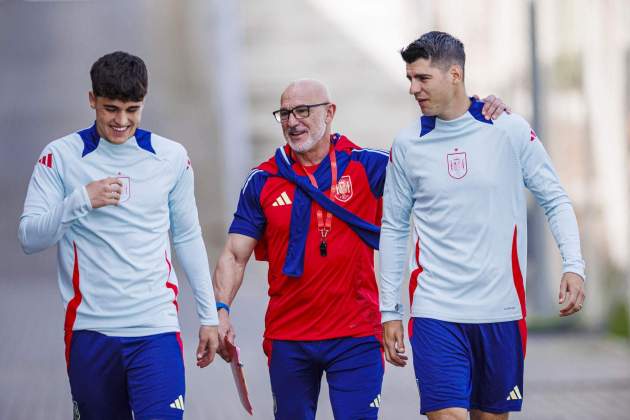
pixel 303 134
pixel 116 121
pixel 432 86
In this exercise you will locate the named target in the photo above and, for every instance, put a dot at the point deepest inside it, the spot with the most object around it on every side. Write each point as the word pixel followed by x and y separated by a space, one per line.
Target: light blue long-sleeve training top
pixel 114 263
pixel 462 184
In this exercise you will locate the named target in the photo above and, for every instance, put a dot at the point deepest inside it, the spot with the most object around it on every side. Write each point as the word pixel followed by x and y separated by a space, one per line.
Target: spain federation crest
pixel 344 189
pixel 126 187
pixel 457 164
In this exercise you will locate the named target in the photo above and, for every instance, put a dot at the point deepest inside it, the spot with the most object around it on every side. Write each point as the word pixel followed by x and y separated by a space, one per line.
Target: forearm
pixel 228 277
pixel 392 257
pixel 564 227
pixel 194 260
pixel 42 227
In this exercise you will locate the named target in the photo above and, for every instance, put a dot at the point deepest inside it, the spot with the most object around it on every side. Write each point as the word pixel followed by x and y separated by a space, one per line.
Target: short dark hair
pixel 120 75
pixel 441 48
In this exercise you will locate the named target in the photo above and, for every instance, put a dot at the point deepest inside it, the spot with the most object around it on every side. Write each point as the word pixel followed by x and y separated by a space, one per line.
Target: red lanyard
pixel 325 226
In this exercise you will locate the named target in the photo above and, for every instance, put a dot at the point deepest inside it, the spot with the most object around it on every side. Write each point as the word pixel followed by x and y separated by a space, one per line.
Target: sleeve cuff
pixel 575 270
pixel 390 316
pixel 247 231
pixel 87 203
pixel 209 322
pixel 76 205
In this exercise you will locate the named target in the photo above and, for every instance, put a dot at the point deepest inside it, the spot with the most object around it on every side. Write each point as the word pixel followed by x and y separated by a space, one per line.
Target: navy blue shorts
pixel 354 370
pixel 472 366
pixel 111 377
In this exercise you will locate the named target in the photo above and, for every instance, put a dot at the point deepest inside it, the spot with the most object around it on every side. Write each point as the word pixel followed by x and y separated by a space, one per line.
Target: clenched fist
pixel 104 192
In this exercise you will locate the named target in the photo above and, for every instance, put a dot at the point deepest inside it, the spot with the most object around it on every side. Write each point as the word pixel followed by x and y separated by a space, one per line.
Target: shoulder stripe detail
pixel 143 138
pixel 475 111
pixel 249 178
pixel 427 124
pixel 379 151
pixel 90 139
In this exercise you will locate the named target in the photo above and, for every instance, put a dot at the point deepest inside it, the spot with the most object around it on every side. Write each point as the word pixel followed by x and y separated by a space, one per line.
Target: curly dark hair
pixel 441 48
pixel 120 75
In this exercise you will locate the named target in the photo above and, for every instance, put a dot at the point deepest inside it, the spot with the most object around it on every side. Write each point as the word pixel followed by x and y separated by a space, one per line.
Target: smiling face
pixel 116 120
pixel 305 134
pixel 433 88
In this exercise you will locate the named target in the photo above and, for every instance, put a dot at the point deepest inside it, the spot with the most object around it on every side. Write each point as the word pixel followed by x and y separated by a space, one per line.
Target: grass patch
pixel 618 321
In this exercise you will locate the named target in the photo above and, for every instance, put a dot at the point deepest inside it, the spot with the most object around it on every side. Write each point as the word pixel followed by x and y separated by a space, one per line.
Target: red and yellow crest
pixel 344 189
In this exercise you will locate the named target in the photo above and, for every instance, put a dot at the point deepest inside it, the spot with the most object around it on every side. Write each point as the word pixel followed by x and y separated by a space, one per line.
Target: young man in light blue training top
pixel 107 196
pixel 461 179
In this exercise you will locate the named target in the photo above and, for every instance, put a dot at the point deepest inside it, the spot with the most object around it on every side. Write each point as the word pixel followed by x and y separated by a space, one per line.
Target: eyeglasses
pixel 299 112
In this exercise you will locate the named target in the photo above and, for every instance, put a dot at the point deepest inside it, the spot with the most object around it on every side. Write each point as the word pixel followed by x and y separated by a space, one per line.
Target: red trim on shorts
pixel 73 305
pixel 522 328
pixel 178 335
pixel 519 285
pixel 170 285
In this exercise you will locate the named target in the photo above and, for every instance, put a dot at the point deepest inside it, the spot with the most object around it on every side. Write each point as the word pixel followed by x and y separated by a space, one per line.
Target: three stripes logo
pixel 178 403
pixel 515 394
pixel 46 160
pixel 75 411
pixel 282 200
pixel 377 402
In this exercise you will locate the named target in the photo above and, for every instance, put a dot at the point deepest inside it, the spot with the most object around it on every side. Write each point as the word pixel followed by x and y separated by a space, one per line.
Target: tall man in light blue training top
pixel 107 196
pixel 461 179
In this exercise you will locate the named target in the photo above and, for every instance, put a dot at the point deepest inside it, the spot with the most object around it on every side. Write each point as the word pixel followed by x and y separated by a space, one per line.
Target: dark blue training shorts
pixel 112 376
pixel 354 370
pixel 473 366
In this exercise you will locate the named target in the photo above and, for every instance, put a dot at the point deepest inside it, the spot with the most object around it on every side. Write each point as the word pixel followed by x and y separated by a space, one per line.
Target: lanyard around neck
pixel 324 226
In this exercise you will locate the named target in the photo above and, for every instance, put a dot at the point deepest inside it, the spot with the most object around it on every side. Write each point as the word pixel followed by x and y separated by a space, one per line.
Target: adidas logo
pixel 377 402
pixel 282 200
pixel 515 394
pixel 178 403
pixel 46 160
pixel 75 411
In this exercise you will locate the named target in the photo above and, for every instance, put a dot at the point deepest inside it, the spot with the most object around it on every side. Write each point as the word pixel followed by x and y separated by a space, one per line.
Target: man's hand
pixel 493 107
pixel 571 293
pixel 208 343
pixel 393 336
pixel 104 192
pixel 226 335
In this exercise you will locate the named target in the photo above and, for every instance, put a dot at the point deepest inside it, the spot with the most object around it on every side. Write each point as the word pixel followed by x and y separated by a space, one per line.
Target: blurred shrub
pixel 618 321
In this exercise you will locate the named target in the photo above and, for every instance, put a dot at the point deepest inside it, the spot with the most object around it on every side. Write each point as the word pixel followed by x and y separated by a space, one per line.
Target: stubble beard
pixel 311 142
